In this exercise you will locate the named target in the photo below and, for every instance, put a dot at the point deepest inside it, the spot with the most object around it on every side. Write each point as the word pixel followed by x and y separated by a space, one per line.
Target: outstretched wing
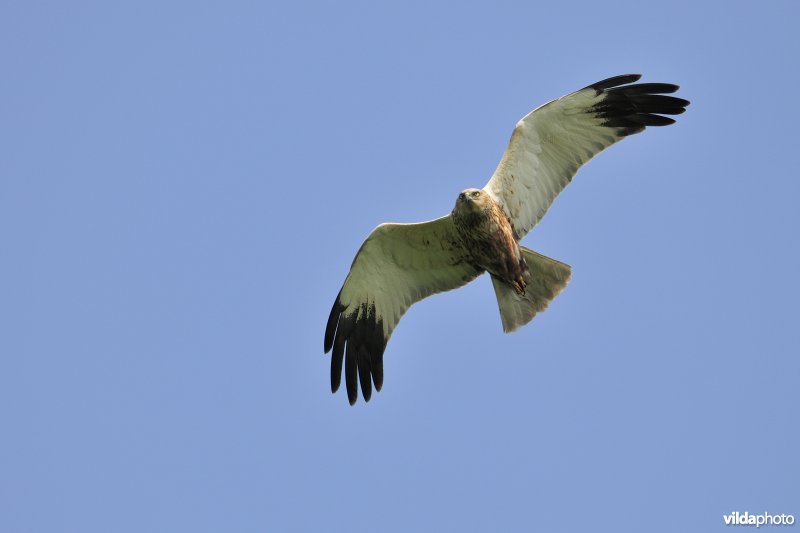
pixel 551 143
pixel 397 265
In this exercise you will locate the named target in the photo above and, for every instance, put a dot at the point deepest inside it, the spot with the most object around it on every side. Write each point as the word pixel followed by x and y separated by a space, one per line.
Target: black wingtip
pixel 333 319
pixel 654 120
pixel 630 108
pixel 337 358
pixel 652 88
pixel 614 81
pixel 364 375
pixel 358 341
pixel 376 363
pixel 351 372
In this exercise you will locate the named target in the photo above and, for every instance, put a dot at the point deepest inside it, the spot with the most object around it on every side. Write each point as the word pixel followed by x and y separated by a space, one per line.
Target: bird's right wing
pixel 397 265
pixel 551 143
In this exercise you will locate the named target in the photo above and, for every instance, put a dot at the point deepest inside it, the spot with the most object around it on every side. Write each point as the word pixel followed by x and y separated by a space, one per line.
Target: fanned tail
pixel 546 279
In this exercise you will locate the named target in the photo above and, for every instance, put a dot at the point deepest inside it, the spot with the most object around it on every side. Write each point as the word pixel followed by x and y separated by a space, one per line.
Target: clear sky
pixel 183 186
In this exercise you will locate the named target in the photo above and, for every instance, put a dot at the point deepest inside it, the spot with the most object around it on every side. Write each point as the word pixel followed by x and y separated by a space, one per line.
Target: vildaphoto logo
pixel 746 519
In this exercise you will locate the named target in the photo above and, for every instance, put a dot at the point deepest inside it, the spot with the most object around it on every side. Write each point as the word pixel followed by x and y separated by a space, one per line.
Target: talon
pixel 519 286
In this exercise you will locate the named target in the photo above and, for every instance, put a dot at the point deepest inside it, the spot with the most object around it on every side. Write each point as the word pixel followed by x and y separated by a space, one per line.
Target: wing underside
pixel 397 265
pixel 551 143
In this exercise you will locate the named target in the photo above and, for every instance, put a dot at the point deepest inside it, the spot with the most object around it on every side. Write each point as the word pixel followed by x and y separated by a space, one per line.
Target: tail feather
pixel 547 277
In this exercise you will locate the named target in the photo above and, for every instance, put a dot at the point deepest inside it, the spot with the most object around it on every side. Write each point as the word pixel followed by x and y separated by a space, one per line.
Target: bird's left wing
pixel 397 265
pixel 551 143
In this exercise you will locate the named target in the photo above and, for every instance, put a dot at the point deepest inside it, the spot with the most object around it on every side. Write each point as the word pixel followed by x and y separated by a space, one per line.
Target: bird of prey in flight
pixel 400 264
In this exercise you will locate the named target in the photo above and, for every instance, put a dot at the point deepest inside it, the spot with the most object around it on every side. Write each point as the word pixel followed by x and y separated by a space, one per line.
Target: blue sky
pixel 184 185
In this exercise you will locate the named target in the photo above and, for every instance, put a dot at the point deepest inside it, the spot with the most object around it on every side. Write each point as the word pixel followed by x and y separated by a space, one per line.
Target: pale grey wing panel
pixel 397 265
pixel 551 143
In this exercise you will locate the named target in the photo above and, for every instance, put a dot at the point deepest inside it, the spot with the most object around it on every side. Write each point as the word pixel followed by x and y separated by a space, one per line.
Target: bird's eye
pixel 476 194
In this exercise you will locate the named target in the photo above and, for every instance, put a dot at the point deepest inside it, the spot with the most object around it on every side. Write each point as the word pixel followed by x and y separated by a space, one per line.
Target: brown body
pixel 487 233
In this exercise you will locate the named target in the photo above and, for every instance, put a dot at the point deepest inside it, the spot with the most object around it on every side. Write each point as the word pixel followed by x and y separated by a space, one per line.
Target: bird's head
pixel 472 200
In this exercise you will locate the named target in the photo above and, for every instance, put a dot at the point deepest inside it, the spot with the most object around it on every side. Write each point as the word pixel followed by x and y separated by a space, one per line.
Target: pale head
pixel 472 200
